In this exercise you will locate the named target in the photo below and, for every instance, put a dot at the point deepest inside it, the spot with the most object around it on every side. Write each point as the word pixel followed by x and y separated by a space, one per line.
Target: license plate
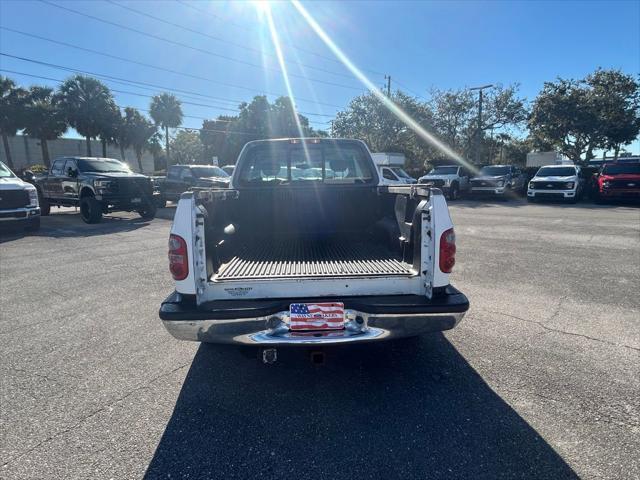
pixel 316 316
pixel 135 200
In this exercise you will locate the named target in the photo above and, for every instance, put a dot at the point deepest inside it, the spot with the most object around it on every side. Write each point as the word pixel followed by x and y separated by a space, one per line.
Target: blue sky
pixel 420 44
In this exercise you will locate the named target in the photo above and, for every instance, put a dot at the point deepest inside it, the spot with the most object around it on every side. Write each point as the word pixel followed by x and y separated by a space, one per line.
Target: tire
pixel 454 192
pixel 90 210
pixel 33 225
pixel 45 207
pixel 149 212
pixel 161 202
pixel 531 199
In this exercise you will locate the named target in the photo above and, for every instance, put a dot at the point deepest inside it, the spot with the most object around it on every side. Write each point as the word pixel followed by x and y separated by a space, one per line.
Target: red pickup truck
pixel 618 180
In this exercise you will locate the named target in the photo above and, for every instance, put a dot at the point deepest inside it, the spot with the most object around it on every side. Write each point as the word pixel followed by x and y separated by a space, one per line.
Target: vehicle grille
pixel 626 184
pixel 549 185
pixel 482 183
pixel 13 199
pixel 133 187
pixel 287 259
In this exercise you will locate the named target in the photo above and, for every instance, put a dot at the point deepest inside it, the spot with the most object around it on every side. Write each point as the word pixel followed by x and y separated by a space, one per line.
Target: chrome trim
pixel 30 212
pixel 272 330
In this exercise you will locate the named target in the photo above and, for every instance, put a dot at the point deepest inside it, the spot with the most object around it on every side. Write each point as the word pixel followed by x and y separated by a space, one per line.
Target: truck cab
pixel 308 246
pixel 390 168
pixel 451 179
pixel 181 178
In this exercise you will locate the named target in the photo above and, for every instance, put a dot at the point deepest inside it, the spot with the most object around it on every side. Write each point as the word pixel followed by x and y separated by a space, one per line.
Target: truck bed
pixel 298 258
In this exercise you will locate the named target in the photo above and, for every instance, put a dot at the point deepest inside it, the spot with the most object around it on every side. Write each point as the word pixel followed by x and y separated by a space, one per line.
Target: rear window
pixel 444 171
pixel 298 163
pixel 621 169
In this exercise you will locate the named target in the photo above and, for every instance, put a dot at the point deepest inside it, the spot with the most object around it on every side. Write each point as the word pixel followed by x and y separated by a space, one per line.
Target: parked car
pixel 498 180
pixel 451 179
pixel 313 260
pixel 96 185
pixel 181 178
pixel 19 206
pixel 560 182
pixel 618 181
pixel 390 168
pixel 228 169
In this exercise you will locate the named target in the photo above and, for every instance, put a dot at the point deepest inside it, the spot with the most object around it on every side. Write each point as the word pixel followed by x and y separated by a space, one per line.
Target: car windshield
pixel 556 172
pixel 494 171
pixel 5 172
pixel 444 171
pixel 326 162
pixel 622 169
pixel 204 172
pixel 102 165
pixel 400 172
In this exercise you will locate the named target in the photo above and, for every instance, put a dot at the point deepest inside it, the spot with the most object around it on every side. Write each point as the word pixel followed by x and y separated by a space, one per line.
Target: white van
pixel 390 168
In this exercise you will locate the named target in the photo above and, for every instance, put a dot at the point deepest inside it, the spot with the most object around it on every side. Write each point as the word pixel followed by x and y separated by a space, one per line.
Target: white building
pixel 26 151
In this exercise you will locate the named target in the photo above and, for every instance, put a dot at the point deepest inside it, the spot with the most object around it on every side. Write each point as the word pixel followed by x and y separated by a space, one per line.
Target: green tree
pixel 366 118
pixel 166 112
pixel 187 147
pixel 564 117
pixel 109 127
pixel 140 132
pixel 44 119
pixel 12 99
pixel 616 98
pixel 87 104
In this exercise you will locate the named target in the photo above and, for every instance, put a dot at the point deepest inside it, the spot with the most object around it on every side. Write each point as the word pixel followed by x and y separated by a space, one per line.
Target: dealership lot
pixel 540 380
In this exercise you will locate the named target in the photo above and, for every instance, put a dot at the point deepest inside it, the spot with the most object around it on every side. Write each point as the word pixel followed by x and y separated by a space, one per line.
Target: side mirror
pixel 72 173
pixel 28 176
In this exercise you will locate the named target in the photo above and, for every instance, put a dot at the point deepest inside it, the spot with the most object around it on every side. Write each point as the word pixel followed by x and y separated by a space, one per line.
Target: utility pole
pixel 479 131
pixel 388 79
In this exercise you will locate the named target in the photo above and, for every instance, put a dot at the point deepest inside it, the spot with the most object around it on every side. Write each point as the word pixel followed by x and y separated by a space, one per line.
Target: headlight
pixel 569 185
pixel 606 184
pixel 33 197
pixel 102 183
pixel 501 183
pixel 532 186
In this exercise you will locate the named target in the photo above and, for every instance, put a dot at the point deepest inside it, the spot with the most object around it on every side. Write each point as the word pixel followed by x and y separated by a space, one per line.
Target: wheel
pixel 160 201
pixel 33 225
pixel 90 210
pixel 454 191
pixel 45 208
pixel 149 212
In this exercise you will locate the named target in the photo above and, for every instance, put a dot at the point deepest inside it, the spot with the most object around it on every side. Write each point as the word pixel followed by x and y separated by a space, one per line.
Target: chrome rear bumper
pixel 272 329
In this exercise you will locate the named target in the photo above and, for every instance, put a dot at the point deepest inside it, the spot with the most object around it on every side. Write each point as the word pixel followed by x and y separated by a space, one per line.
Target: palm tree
pixel 43 118
pixel 87 104
pixel 109 128
pixel 139 132
pixel 166 111
pixel 12 100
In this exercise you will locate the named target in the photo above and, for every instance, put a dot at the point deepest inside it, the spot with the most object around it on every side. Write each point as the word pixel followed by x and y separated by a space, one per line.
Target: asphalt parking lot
pixel 540 380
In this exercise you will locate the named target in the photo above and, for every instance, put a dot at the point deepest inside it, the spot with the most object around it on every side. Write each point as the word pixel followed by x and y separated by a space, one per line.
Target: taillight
pixel 178 258
pixel 447 251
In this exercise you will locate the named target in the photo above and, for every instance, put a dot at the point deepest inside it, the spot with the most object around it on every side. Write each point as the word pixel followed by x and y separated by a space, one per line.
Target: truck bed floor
pixel 311 258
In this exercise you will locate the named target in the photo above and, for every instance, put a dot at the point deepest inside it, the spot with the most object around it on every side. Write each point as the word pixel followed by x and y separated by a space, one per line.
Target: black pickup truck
pixel 97 186
pixel 182 178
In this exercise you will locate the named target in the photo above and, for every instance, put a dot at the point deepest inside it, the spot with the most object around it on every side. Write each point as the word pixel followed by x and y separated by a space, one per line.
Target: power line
pixel 126 81
pixel 222 40
pixel 142 95
pixel 157 67
pixel 191 47
pixel 245 27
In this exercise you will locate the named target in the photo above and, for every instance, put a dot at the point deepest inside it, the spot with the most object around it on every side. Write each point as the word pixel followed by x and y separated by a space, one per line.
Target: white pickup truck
pixel 323 255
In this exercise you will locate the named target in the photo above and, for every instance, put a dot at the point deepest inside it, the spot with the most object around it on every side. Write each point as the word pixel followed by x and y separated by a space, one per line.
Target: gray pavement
pixel 540 380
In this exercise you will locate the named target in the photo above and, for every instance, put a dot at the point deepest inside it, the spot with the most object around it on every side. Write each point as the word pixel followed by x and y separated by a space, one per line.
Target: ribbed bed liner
pixel 311 258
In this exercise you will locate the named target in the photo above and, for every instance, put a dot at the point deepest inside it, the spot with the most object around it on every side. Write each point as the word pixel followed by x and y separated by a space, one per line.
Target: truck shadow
pixel 412 409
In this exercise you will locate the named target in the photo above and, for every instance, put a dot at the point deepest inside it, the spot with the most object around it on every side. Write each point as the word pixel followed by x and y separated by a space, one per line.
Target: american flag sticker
pixel 316 316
